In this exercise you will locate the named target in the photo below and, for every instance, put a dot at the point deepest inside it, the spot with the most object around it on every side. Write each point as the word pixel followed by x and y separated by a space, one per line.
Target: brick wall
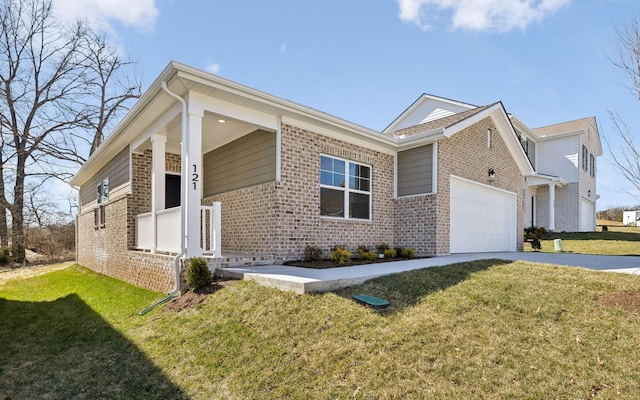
pixel 105 250
pixel 281 218
pixel 567 214
pixel 466 155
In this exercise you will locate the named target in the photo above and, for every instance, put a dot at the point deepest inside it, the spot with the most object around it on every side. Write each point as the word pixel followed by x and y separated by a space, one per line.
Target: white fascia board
pixel 345 136
pixel 285 106
pixel 420 139
pixel 234 111
pixel 542 179
pixel 423 97
pixel 157 126
pixel 521 126
pixel 106 150
pixel 502 122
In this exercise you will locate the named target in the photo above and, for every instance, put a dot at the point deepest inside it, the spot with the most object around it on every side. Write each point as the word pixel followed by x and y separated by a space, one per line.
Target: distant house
pixel 203 166
pixel 562 196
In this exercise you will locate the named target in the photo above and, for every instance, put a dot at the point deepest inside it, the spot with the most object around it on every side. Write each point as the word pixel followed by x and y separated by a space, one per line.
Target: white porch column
pixel 552 207
pixel 192 180
pixel 158 144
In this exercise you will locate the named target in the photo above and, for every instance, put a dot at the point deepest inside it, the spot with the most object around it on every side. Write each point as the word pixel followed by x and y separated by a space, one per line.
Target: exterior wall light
pixel 492 175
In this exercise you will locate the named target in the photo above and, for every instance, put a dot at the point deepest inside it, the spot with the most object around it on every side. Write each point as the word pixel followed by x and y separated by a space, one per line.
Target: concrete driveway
pixel 306 280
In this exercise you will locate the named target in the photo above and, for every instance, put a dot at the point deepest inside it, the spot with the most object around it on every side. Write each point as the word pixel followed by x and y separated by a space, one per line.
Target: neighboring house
pixel 203 166
pixel 562 195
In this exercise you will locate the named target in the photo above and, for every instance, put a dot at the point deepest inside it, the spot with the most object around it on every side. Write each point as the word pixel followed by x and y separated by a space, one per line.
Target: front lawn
pixel 487 329
pixel 617 241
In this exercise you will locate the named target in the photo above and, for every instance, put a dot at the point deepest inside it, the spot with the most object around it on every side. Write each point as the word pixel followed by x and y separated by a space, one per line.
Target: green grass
pixel 618 241
pixel 482 330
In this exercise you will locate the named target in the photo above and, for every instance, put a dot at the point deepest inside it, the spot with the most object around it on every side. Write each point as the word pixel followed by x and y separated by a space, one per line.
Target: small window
pixel 345 189
pixel 592 165
pixel 585 158
pixel 102 191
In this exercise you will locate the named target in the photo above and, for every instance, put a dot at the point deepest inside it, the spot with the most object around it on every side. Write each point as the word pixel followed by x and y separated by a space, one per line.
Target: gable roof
pixel 444 122
pixel 446 127
pixel 182 79
pixel 578 125
pixel 427 108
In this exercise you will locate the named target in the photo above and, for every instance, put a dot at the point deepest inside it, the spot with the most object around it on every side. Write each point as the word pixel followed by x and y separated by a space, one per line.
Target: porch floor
pixel 306 280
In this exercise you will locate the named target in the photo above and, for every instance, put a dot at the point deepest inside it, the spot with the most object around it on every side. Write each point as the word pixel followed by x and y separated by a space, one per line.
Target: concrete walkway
pixel 306 280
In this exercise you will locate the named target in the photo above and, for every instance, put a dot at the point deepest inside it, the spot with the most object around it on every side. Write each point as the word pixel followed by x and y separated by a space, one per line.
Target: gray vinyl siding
pixel 117 170
pixel 415 171
pixel 245 162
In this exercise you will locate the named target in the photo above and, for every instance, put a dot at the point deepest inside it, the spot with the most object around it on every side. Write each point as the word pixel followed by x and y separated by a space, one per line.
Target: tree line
pixel 62 87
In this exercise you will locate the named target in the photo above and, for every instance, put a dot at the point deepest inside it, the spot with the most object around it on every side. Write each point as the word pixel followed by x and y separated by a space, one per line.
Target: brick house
pixel 203 166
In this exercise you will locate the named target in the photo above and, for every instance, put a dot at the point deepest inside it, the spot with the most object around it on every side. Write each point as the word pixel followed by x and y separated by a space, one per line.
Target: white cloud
pixel 141 14
pixel 480 15
pixel 213 68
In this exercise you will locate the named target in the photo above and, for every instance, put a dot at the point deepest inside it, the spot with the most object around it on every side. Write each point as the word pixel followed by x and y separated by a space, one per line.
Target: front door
pixel 172 191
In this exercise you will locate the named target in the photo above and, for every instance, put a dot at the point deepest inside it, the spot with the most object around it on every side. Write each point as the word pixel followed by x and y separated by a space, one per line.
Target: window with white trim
pixel 585 158
pixel 592 165
pixel 345 189
pixel 102 196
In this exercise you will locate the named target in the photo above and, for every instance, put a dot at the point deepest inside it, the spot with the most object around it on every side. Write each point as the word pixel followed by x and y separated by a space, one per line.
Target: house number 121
pixel 194 177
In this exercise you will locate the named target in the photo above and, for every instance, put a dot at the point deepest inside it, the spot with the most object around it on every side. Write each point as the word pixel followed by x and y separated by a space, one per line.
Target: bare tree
pixel 57 94
pixel 626 158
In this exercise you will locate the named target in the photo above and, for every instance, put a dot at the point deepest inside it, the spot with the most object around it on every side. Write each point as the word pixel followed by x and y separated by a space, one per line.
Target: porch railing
pixel 166 237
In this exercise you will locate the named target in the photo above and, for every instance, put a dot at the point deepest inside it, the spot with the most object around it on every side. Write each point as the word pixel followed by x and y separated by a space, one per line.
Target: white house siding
pixel 559 157
pixel 430 110
pixel 587 182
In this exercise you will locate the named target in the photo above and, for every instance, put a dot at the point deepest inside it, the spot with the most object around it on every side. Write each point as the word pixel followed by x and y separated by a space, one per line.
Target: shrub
pixel 382 247
pixel 340 255
pixel 390 253
pixel 535 244
pixel 312 253
pixel 605 228
pixel 370 255
pixel 408 252
pixel 5 256
pixel 362 251
pixel 198 274
pixel 398 250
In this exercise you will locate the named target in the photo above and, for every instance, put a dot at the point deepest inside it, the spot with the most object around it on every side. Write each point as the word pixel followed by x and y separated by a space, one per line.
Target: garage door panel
pixel 482 218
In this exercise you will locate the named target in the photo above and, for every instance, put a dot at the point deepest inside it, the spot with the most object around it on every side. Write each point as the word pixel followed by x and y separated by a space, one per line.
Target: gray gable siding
pixel 245 162
pixel 415 171
pixel 117 170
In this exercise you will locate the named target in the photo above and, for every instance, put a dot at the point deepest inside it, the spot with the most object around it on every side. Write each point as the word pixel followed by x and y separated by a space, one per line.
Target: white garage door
pixel 483 218
pixel 587 216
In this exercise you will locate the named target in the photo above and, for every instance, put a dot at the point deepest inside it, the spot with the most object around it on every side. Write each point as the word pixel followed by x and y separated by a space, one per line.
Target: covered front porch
pixel 196 150
pixel 536 205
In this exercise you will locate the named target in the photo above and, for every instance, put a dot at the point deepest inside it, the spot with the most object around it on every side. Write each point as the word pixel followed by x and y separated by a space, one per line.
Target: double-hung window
pixel 592 165
pixel 345 189
pixel 585 158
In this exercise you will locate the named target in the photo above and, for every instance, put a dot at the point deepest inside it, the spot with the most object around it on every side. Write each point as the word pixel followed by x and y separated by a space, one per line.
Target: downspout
pixel 176 260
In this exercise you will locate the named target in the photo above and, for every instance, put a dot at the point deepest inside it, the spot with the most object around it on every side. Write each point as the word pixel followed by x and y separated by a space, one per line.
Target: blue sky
pixel 366 61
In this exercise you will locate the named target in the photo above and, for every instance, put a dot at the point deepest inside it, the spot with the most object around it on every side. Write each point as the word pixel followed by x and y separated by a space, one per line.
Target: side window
pixel 102 196
pixel 345 189
pixel 585 158
pixel 592 165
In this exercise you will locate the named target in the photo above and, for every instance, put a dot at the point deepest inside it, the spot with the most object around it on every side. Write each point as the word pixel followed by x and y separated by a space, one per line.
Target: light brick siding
pixel 277 220
pixel 281 218
pixel 466 155
pixel 414 223
pixel 105 250
pixel 567 209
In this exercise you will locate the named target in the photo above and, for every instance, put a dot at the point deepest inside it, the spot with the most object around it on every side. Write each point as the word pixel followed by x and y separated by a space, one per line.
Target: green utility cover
pixel 370 300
